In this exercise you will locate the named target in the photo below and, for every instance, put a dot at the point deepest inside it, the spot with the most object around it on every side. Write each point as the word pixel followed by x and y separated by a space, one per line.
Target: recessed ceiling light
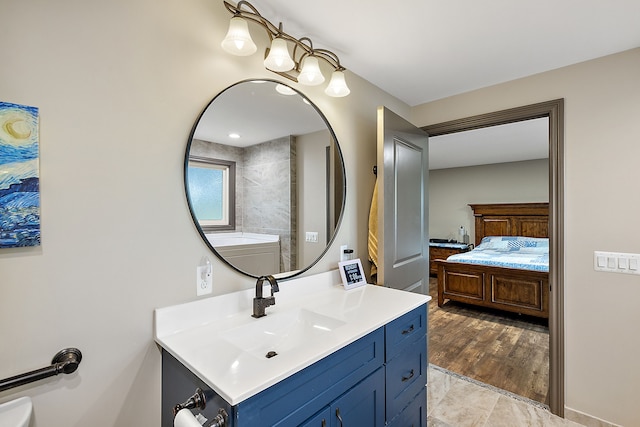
pixel 285 90
pixel 234 135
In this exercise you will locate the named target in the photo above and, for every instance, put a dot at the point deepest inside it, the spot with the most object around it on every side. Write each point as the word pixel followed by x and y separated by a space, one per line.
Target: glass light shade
pixel 337 85
pixel 310 74
pixel 238 40
pixel 279 58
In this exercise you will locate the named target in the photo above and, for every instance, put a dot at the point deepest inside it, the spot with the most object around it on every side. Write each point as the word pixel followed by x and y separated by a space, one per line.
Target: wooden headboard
pixel 511 219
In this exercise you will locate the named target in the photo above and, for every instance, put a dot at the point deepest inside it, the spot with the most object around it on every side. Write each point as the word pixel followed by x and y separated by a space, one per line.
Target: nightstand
pixel 443 251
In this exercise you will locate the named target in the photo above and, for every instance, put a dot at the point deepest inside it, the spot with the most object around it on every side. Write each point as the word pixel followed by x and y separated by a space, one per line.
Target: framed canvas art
pixel 19 176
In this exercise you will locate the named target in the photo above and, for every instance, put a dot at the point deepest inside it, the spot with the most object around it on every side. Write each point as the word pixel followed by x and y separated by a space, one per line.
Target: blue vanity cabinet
pixel 293 400
pixel 406 367
pixel 377 380
pixel 403 381
pixel 413 415
pixel 362 405
pixel 321 419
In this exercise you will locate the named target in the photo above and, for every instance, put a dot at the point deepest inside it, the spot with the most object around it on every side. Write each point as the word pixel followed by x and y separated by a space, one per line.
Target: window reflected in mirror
pixel 212 186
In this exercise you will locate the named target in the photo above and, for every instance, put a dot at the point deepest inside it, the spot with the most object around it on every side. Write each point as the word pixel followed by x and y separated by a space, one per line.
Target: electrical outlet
pixel 204 277
pixel 343 256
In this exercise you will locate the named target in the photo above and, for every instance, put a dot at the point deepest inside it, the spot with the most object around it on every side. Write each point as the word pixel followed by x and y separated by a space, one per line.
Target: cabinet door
pixel 363 405
pixel 321 419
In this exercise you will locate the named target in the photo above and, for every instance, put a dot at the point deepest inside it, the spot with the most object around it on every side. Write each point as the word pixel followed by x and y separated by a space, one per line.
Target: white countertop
pixel 204 334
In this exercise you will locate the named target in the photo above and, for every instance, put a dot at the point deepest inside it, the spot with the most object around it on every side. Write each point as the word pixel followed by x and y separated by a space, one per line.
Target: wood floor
pixel 504 350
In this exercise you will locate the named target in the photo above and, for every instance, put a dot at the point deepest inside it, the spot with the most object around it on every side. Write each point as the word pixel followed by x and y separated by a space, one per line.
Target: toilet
pixel 16 413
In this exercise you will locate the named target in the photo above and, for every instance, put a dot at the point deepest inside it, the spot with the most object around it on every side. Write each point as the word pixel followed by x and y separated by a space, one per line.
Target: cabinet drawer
pixel 321 419
pixel 406 375
pixel 404 331
pixel 414 415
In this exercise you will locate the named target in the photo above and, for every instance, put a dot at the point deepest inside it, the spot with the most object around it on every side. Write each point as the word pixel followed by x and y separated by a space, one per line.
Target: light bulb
pixel 310 74
pixel 238 39
pixel 279 59
pixel 337 85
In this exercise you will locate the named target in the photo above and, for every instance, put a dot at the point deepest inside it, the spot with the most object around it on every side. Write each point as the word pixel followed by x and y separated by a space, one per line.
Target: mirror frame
pixel 287 274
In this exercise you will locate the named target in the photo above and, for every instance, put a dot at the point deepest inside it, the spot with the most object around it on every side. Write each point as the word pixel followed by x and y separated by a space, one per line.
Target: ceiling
pixel 256 113
pixel 423 50
pixel 513 142
pixel 272 115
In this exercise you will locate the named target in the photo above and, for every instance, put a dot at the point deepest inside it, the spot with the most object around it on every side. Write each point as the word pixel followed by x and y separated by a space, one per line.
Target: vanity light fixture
pixel 301 66
pixel 238 40
pixel 279 59
pixel 310 74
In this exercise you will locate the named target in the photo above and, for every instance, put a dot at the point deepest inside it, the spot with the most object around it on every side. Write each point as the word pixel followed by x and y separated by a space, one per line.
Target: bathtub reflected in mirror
pixel 264 179
pixel 250 252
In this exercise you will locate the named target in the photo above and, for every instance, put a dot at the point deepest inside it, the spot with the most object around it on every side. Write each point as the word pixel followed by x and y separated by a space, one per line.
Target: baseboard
pixel 585 419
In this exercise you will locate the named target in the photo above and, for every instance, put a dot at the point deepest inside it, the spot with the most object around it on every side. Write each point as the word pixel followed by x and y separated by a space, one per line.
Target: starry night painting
pixel 19 176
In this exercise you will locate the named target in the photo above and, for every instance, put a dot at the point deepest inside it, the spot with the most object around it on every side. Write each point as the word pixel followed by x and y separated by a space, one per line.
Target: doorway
pixel 554 111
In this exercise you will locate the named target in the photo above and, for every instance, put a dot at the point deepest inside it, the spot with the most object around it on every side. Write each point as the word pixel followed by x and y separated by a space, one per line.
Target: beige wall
pixel 311 186
pixel 452 190
pixel 602 130
pixel 119 85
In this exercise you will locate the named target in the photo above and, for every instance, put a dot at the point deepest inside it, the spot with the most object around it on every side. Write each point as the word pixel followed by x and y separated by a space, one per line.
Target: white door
pixel 403 204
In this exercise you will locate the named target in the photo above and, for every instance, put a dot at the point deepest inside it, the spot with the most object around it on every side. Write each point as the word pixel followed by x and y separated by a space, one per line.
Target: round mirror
pixel 264 179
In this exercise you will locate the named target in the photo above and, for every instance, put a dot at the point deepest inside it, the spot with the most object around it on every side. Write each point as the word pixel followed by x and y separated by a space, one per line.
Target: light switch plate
pixel 616 262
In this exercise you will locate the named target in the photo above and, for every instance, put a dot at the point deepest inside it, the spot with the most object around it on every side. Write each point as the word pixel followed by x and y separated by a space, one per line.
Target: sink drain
pixel 270 354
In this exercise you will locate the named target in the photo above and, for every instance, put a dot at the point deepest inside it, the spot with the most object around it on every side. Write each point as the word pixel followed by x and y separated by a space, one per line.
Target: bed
pixel 520 288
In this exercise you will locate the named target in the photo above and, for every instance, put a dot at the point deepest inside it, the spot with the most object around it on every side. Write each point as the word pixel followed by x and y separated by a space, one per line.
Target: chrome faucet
pixel 260 302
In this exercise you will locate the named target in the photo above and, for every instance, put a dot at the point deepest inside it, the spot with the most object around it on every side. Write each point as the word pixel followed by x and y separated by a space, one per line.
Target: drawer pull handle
pixel 407 331
pixel 404 379
pixel 338 415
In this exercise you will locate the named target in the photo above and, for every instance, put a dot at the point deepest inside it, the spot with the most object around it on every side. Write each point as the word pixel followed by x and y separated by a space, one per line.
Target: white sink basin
pixel 278 333
pixel 16 413
pixel 217 339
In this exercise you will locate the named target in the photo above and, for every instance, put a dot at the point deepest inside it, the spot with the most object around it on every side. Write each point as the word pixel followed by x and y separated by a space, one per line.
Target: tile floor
pixel 454 400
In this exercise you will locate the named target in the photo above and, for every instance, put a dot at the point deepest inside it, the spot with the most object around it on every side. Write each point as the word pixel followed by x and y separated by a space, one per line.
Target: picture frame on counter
pixel 352 273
